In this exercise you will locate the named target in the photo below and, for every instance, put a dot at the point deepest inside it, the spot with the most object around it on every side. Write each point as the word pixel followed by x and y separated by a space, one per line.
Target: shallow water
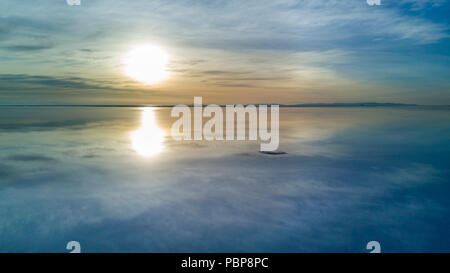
pixel 351 175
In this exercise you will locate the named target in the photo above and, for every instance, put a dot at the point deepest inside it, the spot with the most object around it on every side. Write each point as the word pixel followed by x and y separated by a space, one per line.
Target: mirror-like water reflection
pixel 350 176
pixel 148 139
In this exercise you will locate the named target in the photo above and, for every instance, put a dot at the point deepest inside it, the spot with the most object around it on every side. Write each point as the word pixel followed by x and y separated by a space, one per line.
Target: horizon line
pixel 333 104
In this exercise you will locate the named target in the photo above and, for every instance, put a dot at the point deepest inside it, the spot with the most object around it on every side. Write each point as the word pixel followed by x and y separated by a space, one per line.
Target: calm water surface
pixel 114 180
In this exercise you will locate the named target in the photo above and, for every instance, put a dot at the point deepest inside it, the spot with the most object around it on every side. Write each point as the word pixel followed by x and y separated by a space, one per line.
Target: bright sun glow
pixel 148 140
pixel 147 64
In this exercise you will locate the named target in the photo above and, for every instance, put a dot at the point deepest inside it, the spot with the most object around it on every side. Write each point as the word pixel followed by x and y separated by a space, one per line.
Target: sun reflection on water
pixel 148 139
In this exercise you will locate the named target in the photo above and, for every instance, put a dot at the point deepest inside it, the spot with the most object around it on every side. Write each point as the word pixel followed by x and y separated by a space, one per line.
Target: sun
pixel 147 64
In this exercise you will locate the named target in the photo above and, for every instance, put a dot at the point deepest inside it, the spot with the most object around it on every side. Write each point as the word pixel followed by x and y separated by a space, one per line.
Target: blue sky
pixel 227 51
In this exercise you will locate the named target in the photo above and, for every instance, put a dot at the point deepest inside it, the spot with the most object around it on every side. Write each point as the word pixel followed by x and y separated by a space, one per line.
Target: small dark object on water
pixel 272 153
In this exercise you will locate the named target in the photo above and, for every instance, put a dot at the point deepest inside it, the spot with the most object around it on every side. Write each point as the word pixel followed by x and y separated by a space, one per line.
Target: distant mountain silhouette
pixel 347 104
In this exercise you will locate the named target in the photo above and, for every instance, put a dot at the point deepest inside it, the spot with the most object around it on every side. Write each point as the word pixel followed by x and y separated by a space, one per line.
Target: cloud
pixel 330 41
pixel 30 157
pixel 421 4
pixel 50 81
pixel 5 171
pixel 300 25
pixel 26 48
pixel 25 34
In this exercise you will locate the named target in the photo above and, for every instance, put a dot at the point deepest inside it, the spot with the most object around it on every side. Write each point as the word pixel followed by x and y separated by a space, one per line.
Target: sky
pixel 274 51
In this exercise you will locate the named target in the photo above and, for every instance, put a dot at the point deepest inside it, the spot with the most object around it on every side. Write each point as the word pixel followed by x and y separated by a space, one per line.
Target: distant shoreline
pixel 360 104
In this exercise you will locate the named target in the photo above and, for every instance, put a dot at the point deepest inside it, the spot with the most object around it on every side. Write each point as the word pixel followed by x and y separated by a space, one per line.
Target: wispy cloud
pixel 421 4
pixel 25 48
pixel 284 41
pixel 50 81
pixel 30 157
